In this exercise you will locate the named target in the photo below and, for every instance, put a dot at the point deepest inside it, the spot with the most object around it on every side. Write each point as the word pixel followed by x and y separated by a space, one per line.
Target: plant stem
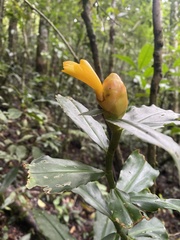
pixel 114 141
pixel 120 231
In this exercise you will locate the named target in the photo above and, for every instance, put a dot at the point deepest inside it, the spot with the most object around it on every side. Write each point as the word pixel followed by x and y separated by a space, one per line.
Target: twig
pixel 92 37
pixel 55 29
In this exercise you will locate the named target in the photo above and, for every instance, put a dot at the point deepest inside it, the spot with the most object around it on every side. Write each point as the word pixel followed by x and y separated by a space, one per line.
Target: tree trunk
pixel 42 47
pixel 174 21
pixel 92 37
pixel 157 76
pixel 158 44
pixel 12 39
pixel 1 25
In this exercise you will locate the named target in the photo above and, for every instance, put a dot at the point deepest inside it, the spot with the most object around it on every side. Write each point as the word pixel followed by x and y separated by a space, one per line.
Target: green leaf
pixel 105 228
pixel 152 116
pixel 9 200
pixel 57 175
pixel 165 68
pixel 146 230
pixel 3 117
pixel 36 152
pixel 145 56
pixel 26 138
pixel 9 178
pixel 50 226
pixel 123 211
pixel 93 112
pixel 92 195
pixel 14 113
pixel 176 63
pixel 139 173
pixel 150 202
pixel 126 59
pixel 149 135
pixel 148 72
pixel 21 152
pixel 112 236
pixel 75 110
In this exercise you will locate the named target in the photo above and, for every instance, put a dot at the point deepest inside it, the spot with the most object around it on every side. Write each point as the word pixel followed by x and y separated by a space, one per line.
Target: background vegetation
pixel 32 124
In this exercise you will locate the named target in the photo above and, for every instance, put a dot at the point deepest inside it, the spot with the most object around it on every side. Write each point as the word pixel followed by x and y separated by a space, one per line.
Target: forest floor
pixel 17 223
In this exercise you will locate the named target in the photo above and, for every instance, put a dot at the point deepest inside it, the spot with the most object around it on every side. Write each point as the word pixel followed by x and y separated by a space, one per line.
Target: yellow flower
pixel 111 94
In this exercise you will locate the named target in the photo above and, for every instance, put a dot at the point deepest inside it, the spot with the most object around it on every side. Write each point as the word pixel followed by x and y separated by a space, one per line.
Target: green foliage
pixel 9 178
pixel 57 175
pixel 50 226
pixel 127 203
pixel 74 110
pixel 32 125
pixel 140 176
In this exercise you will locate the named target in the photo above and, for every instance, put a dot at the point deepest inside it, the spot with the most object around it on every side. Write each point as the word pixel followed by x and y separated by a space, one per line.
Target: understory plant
pixel 123 212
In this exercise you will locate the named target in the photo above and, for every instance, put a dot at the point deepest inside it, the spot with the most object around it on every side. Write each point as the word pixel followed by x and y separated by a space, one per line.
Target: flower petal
pixel 85 73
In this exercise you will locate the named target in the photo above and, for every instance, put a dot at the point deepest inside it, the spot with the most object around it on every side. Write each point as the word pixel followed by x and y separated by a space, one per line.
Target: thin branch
pixel 55 29
pixel 92 37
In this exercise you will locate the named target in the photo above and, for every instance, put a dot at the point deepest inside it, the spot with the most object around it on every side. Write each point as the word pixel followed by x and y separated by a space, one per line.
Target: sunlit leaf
pixel 51 227
pixel 92 195
pixel 75 111
pixel 145 56
pixel 147 230
pixel 57 175
pixel 139 173
pixel 148 72
pixel 126 59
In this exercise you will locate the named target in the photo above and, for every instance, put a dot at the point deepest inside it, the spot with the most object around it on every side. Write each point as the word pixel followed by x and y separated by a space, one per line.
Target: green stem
pixel 114 141
pixel 120 231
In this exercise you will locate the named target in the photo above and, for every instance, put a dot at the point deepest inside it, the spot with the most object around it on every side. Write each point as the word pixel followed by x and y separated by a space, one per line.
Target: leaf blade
pixel 149 229
pixel 123 211
pixel 105 228
pixel 149 135
pixel 75 111
pixel 51 227
pixel 152 116
pixel 150 202
pixel 139 173
pixel 57 175
pixel 92 195
pixel 145 56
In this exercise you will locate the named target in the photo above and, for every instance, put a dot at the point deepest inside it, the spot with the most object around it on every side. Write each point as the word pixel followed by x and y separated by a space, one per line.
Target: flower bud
pixel 115 99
